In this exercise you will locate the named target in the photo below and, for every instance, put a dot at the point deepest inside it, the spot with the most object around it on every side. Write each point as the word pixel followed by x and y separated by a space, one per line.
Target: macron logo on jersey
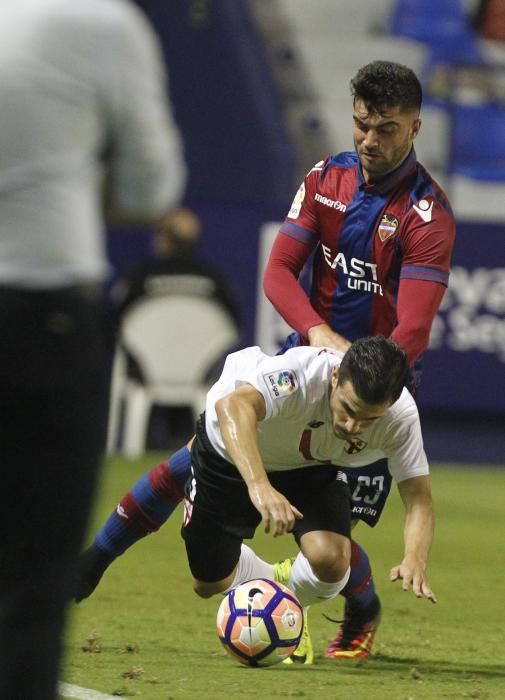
pixel 333 203
pixel 424 209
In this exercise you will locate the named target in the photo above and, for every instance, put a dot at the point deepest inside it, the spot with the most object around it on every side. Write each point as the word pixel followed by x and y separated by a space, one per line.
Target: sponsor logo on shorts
pixel 281 383
pixel 188 512
pixel 188 502
pixel 364 510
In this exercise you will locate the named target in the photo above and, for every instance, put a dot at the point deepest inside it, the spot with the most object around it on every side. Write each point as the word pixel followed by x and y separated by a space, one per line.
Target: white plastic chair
pixel 175 341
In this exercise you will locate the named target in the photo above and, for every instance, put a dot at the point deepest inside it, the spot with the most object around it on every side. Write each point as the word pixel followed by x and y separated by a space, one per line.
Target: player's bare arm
pixel 238 415
pixel 418 537
pixel 322 336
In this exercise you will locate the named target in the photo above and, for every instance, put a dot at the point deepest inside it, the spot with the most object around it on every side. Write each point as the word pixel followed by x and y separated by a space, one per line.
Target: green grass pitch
pixel 144 634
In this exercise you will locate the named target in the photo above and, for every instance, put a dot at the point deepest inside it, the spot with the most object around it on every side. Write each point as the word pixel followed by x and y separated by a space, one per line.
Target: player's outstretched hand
pixel 415 578
pixel 278 515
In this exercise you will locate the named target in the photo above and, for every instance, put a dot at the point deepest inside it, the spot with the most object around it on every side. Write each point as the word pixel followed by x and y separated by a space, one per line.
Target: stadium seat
pixel 429 21
pixel 330 18
pixel 477 201
pixel 443 26
pixel 478 142
pixel 175 341
pixel 432 143
pixel 330 65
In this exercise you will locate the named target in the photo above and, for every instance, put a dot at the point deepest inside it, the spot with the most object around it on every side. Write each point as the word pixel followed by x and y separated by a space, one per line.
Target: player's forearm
pixel 291 301
pixel 418 303
pixel 238 415
pixel 418 532
pixel 281 285
pixel 238 423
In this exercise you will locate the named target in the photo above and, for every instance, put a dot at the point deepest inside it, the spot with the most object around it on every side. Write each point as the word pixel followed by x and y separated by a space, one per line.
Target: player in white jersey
pixel 294 387
pixel 268 450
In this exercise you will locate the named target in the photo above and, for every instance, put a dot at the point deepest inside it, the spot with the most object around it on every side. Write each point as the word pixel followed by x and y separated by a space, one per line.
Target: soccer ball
pixel 260 622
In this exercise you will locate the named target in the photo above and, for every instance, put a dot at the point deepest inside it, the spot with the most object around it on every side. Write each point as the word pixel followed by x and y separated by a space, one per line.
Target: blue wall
pixel 225 102
pixel 467 354
pixel 241 167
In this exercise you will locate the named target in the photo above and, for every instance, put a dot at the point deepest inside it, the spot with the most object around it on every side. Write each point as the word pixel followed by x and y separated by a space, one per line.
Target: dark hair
pixel 377 369
pixel 383 84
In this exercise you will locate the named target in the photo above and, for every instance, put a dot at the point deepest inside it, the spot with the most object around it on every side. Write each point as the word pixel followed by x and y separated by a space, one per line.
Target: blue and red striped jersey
pixel 368 238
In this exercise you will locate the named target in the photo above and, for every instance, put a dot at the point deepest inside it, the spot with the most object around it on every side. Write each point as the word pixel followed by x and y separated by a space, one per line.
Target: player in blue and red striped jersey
pixel 382 232
pixel 382 228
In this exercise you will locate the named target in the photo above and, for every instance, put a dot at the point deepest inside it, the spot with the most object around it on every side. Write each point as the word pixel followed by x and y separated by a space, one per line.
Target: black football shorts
pixel 219 513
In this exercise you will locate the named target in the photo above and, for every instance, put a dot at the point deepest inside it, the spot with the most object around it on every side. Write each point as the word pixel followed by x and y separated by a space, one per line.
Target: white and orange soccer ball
pixel 260 622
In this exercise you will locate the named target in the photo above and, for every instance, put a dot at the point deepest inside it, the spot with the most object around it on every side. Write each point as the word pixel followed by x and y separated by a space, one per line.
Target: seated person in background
pixel 174 245
pixel 173 269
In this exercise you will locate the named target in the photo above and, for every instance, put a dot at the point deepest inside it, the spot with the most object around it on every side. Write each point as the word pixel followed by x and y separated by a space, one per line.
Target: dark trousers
pixel 53 403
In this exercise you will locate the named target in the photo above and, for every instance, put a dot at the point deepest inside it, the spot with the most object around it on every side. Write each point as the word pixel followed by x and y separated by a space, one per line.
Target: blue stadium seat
pixel 448 65
pixel 478 142
pixel 443 26
pixel 429 21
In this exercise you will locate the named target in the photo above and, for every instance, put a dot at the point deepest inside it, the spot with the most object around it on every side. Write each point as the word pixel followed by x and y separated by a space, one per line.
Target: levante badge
pixel 387 227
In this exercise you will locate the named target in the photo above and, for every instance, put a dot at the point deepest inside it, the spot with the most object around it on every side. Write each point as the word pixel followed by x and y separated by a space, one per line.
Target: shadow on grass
pixel 385 662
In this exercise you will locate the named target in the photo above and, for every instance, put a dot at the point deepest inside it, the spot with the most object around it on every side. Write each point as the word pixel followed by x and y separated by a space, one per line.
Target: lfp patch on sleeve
pixel 281 383
pixel 296 205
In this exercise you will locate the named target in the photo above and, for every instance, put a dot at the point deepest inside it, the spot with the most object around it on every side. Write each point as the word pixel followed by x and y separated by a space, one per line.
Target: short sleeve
pixel 301 222
pixel 281 382
pixel 403 445
pixel 427 243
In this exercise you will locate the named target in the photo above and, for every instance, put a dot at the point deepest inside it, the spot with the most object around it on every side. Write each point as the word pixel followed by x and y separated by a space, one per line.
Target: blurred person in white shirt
pixel 86 133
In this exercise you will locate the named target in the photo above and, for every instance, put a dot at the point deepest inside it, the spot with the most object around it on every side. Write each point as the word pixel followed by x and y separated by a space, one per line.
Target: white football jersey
pixel 297 430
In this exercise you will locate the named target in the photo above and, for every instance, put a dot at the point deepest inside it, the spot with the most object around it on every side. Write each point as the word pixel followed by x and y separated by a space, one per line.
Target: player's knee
pixel 329 558
pixel 207 590
pixel 204 590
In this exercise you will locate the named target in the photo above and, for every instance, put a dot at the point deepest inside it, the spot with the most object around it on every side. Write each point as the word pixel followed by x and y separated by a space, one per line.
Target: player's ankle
pixel 93 562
